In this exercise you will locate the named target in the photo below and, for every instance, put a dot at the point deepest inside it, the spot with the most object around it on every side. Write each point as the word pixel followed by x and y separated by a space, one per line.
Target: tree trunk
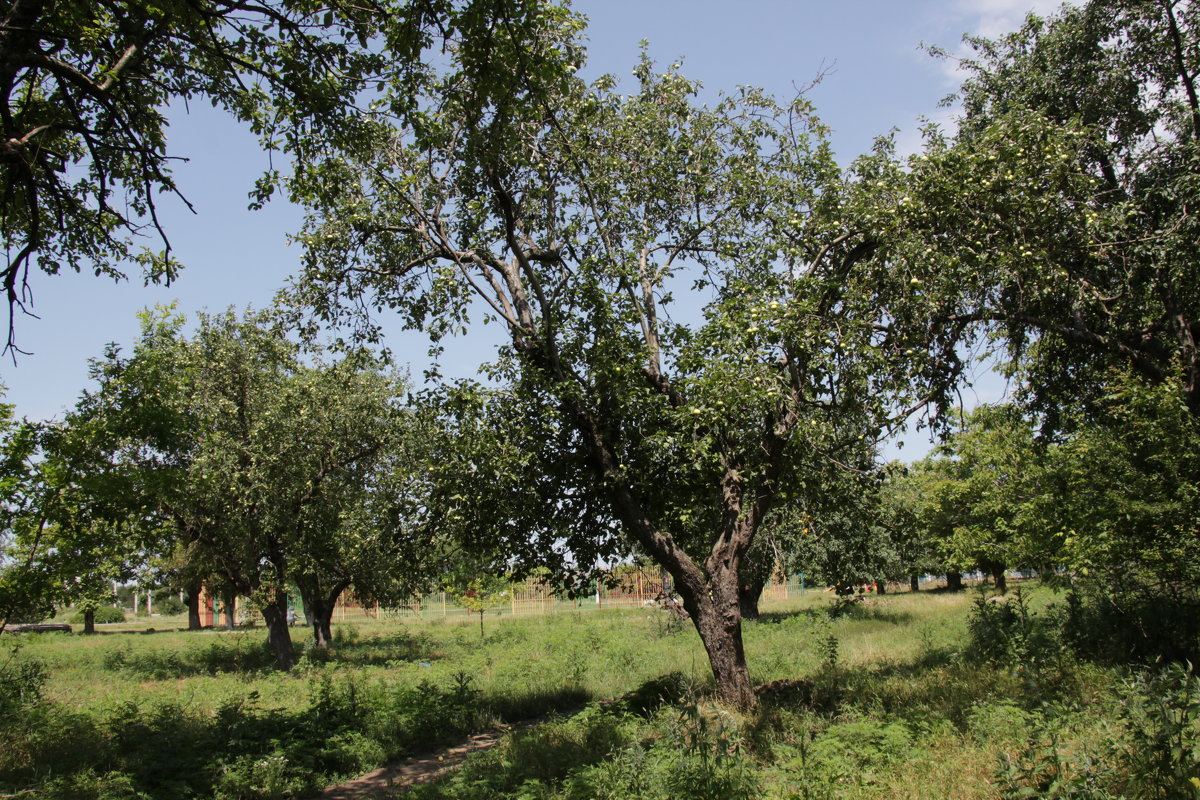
pixel 229 600
pixel 322 623
pixel 193 606
pixel 749 594
pixel 319 607
pixel 279 637
pixel 880 587
pixel 89 620
pixel 1001 579
pixel 954 581
pixel 914 582
pixel 716 613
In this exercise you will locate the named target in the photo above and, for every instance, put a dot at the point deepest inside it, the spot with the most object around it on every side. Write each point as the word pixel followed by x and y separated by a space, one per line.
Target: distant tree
pixel 79 524
pixel 978 499
pixel 264 463
pixel 901 497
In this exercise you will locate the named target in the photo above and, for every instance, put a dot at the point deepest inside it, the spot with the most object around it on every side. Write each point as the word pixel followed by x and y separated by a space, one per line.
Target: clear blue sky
pixel 877 79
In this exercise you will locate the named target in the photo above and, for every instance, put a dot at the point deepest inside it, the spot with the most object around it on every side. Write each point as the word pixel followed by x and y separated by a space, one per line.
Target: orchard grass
pixel 881 699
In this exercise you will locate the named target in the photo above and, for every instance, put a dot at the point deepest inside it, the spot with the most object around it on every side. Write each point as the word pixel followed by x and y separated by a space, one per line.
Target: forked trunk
pixel 322 622
pixel 279 637
pixel 319 606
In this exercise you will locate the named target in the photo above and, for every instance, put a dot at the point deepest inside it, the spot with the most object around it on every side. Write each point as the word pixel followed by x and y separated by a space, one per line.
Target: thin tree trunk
pixel 229 600
pixel 279 637
pixel 89 620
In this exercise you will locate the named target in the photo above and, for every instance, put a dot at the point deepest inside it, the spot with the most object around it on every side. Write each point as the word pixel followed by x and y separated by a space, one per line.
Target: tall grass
pixel 904 696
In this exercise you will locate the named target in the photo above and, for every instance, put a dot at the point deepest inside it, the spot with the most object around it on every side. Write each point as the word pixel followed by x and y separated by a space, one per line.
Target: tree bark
pixel 319 607
pixel 1000 578
pixel 279 637
pixel 89 620
pixel 749 593
pixel 954 581
pixel 193 605
pixel 914 582
pixel 880 587
pixel 229 600
pixel 716 613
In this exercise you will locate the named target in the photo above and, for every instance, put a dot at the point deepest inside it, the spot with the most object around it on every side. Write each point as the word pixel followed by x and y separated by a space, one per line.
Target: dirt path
pixel 393 780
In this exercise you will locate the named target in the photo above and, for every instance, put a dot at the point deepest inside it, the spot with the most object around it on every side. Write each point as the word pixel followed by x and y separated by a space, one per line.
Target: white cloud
pixel 993 18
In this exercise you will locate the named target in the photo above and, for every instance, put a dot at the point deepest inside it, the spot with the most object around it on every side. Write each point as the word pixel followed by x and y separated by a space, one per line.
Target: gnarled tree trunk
pixel 279 637
pixel 716 612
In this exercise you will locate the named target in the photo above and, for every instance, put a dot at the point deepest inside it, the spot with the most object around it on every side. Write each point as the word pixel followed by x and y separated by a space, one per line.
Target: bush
pixel 169 605
pixel 1134 626
pixel 21 682
pixel 104 615
pixel 1005 631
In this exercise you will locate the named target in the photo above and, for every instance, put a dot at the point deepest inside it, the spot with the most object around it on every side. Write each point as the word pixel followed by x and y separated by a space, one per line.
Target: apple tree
pixel 689 316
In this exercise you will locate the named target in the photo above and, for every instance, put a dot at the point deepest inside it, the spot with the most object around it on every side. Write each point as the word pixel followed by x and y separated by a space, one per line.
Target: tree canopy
pixel 693 319
pixel 1059 214
pixel 84 90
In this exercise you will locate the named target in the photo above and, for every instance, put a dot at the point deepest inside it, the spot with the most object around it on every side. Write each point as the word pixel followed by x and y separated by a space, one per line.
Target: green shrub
pixel 1162 713
pixel 258 777
pixel 88 785
pixel 104 616
pixel 21 682
pixel 1135 625
pixel 169 605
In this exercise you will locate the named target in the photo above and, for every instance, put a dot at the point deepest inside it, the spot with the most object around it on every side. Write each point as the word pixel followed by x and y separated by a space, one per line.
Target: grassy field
pixel 888 699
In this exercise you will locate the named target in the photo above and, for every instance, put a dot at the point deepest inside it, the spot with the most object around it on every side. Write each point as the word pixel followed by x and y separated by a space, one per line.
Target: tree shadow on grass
pixel 840 611
pixel 382 650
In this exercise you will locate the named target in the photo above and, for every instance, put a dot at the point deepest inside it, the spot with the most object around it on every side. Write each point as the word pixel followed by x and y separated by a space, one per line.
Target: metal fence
pixel 533 597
